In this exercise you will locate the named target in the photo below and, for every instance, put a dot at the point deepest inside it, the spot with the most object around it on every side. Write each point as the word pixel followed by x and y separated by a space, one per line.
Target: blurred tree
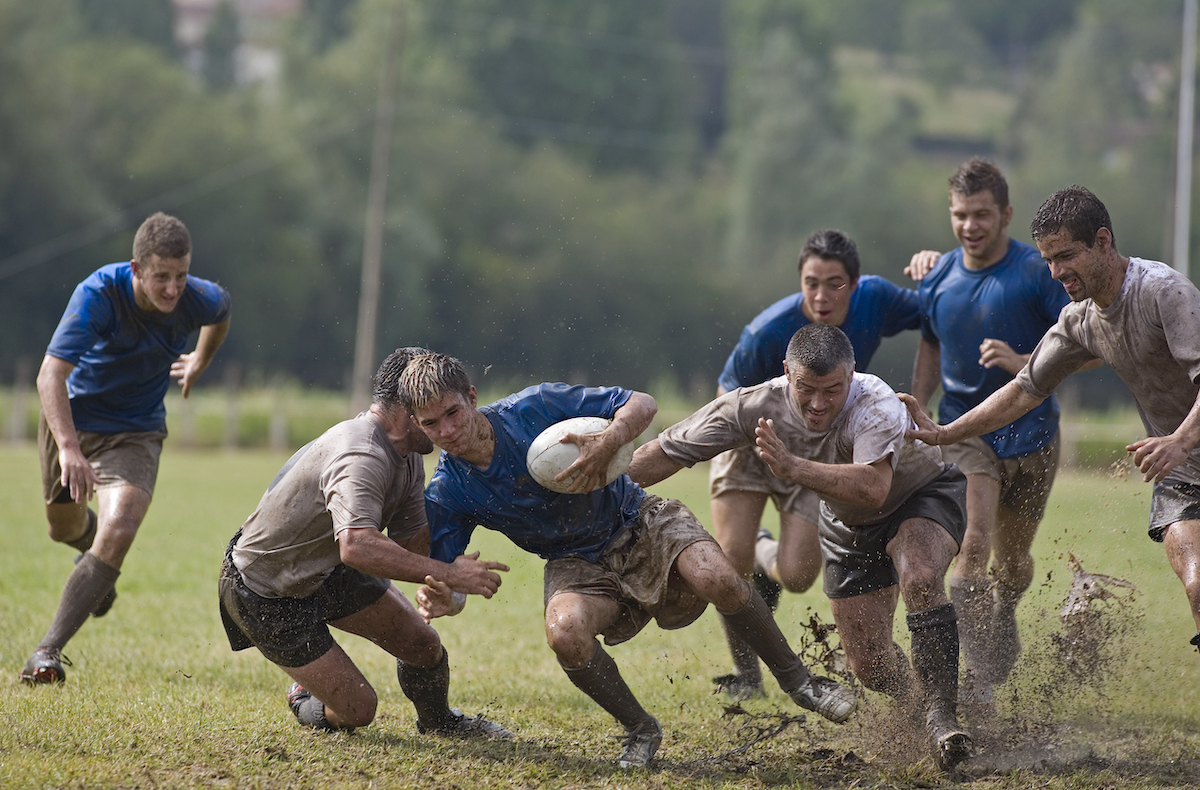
pixel 148 21
pixel 323 23
pixel 1103 116
pixel 608 81
pixel 221 42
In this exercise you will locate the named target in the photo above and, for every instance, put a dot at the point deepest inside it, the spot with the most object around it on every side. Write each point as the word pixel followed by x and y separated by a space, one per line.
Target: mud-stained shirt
pixel 349 477
pixel 870 428
pixel 1149 335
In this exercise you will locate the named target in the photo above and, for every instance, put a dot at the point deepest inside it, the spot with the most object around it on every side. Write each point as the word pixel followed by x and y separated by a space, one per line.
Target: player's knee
pixel 361 710
pixel 569 638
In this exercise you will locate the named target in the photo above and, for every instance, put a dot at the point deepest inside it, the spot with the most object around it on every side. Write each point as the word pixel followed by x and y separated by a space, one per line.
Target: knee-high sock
pixel 935 653
pixel 745 660
pixel 972 599
pixel 600 679
pixel 429 691
pixel 757 627
pixel 88 583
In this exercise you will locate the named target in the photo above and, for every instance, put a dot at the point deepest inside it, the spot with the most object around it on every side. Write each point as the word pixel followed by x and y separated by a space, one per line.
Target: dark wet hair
pixel 978 175
pixel 385 384
pixel 832 245
pixel 1077 210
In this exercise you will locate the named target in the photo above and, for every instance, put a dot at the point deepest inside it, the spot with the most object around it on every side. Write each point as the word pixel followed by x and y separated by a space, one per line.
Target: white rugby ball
pixel 548 455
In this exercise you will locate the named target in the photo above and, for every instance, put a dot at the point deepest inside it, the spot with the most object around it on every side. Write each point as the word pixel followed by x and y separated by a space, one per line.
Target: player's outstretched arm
pixel 651 464
pixel 372 552
pixel 78 477
pixel 1001 407
pixel 189 366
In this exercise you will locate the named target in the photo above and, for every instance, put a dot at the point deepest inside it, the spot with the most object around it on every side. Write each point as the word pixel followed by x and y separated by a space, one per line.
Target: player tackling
pixel 892 515
pixel 313 555
pixel 616 557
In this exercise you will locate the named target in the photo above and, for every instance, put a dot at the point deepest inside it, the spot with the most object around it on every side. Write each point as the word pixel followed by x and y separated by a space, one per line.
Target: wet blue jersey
pixel 122 354
pixel 504 497
pixel 878 309
pixel 1014 300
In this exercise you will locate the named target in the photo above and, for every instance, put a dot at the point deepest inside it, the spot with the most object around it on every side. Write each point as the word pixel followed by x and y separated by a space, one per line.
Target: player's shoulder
pixel 108 277
pixel 942 269
pixel 781 312
pixel 872 406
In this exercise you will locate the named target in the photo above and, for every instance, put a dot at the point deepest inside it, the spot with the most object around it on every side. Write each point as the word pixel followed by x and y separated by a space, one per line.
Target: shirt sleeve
pixel 706 433
pixel 903 309
pixel 88 315
pixel 1178 310
pixel 878 431
pixel 1056 356
pixel 214 303
pixel 354 487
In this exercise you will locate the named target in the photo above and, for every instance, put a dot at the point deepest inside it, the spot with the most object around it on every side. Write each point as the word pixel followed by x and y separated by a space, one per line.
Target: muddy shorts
pixel 292 632
pixel 1025 480
pixel 635 571
pixel 1173 500
pixel 118 459
pixel 741 469
pixel 856 558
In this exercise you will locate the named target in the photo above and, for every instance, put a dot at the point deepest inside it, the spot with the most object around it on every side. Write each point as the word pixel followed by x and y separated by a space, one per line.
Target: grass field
pixel 156 699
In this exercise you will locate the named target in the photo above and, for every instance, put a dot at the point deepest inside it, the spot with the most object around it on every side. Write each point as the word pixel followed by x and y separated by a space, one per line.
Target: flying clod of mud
pixel 1093 622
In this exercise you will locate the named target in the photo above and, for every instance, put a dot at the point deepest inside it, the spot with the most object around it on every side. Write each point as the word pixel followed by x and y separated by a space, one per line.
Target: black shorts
pixel 292 632
pixel 1172 501
pixel 856 558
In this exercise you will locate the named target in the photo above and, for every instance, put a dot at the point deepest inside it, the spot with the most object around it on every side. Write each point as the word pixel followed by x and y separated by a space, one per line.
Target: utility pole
pixel 1183 149
pixel 365 362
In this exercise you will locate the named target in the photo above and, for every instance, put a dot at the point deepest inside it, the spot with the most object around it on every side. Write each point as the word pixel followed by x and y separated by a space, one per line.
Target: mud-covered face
pixel 450 423
pixel 1083 271
pixel 819 399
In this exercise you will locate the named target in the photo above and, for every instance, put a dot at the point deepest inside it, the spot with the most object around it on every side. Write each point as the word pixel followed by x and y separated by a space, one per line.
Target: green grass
pixel 156 698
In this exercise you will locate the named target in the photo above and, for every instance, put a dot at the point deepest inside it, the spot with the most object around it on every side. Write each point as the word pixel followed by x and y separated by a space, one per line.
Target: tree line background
pixel 597 192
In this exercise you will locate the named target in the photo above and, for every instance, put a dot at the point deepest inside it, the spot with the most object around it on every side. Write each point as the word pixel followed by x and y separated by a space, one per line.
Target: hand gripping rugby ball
pixel 548 456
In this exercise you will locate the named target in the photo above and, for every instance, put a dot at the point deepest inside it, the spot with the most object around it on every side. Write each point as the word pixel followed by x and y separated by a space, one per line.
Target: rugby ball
pixel 548 455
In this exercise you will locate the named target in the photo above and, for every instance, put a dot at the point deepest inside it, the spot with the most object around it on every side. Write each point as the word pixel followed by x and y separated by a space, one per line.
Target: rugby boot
pixel 45 666
pixel 826 697
pixel 641 743
pixel 459 725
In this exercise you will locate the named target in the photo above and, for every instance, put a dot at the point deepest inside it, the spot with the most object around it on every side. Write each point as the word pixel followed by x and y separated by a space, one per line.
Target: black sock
pixel 429 690
pixel 600 679
pixel 756 626
pixel 935 653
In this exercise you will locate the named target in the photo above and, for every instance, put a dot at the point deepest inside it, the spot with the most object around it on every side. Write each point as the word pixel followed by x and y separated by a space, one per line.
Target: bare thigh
pixel 394 624
pixel 736 516
pixel 799 560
